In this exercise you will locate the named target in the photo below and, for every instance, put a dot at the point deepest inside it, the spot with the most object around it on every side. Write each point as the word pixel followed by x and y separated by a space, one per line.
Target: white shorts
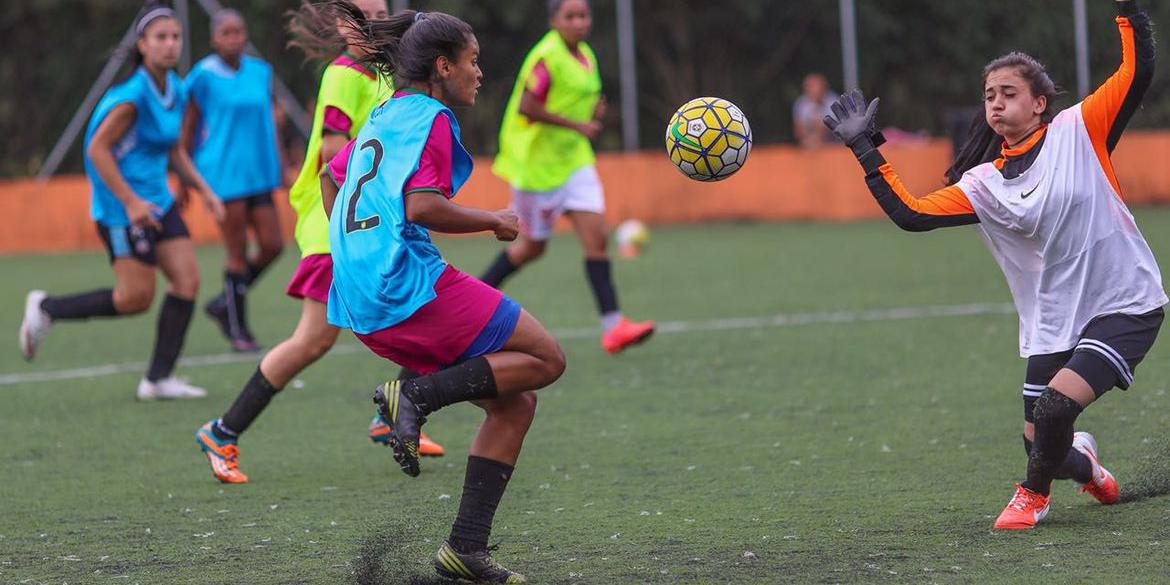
pixel 539 210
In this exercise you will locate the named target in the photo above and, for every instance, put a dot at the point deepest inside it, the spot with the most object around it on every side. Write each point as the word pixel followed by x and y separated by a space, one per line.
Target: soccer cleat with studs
pixel 477 567
pixel 405 420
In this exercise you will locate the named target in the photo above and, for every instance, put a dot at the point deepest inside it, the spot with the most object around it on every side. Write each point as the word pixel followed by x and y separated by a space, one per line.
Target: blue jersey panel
pixel 144 152
pixel 384 267
pixel 235 147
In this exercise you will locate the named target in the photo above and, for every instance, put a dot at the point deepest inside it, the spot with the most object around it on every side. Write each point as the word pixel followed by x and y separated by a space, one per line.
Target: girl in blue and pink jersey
pixel 132 138
pixel 391 286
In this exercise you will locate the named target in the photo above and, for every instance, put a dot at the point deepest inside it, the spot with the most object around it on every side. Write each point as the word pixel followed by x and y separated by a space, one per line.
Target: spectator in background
pixel 808 111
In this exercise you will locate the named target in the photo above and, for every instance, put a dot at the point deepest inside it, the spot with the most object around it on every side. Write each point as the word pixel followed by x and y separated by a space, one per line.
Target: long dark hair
pixel 312 28
pixel 406 45
pixel 983 144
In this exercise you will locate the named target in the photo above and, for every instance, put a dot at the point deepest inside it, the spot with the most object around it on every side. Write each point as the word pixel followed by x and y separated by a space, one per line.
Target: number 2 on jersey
pixel 352 224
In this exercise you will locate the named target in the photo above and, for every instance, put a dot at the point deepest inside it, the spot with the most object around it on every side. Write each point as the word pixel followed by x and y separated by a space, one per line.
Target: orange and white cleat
pixel 1103 486
pixel 625 334
pixel 427 447
pixel 224 456
pixel 1025 510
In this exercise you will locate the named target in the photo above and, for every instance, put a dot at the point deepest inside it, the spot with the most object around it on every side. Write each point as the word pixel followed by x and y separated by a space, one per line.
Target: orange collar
pixel 1006 153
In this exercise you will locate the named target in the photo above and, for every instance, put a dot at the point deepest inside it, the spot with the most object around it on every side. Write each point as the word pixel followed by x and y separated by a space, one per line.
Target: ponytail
pixel 406 45
pixel 313 30
pixel 983 144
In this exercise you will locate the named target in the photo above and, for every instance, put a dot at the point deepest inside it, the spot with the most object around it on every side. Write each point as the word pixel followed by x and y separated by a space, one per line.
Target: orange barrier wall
pixel 778 183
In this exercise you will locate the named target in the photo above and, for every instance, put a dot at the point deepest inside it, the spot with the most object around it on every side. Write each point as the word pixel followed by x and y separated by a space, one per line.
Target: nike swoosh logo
pixel 1029 193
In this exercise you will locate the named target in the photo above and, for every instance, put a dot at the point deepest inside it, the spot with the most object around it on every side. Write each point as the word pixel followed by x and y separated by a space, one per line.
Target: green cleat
pixel 477 567
pixel 405 422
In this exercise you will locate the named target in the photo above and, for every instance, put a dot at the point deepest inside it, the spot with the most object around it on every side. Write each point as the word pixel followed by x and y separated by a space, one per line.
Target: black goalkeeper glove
pixel 856 127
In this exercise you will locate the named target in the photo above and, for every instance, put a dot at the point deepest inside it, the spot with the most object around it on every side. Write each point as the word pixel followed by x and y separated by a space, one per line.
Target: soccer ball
pixel 708 139
pixel 632 236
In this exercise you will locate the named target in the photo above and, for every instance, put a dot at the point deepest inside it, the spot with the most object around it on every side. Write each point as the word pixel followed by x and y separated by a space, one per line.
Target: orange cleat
pixel 1024 511
pixel 427 447
pixel 224 456
pixel 625 334
pixel 1103 486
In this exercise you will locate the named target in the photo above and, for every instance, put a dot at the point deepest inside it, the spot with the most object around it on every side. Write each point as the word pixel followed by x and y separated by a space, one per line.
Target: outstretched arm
pixel 857 128
pixel 1108 110
pixel 432 210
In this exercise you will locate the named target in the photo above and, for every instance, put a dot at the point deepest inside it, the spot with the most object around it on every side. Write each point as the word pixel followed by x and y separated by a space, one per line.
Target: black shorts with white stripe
pixel 1110 349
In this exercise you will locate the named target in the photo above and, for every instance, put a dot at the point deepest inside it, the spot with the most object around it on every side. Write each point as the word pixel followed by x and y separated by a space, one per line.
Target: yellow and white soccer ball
pixel 632 238
pixel 708 139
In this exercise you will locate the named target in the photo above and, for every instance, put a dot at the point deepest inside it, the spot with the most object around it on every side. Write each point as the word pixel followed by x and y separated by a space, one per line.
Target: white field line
pixel 664 328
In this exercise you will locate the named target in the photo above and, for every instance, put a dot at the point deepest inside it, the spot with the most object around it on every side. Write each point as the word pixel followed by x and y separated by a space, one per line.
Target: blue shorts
pixel 497 332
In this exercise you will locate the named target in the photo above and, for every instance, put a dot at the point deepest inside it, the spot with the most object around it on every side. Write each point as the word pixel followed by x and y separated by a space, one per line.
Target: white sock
pixel 610 320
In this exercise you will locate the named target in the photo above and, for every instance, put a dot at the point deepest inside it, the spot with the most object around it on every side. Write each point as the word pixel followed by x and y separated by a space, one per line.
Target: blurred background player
pixel 132 137
pixel 546 156
pixel 349 91
pixel 394 290
pixel 810 109
pixel 231 130
pixel 1085 283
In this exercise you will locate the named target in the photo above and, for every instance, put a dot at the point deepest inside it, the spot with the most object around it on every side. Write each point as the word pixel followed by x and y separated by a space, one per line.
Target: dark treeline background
pixel 922 57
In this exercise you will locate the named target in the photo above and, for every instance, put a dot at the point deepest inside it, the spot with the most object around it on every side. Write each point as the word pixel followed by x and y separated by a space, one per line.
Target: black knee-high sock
pixel 1055 416
pixel 499 271
pixel 601 281
pixel 470 380
pixel 407 374
pixel 173 320
pixel 235 290
pixel 1076 466
pixel 253 399
pixel 253 272
pixel 483 487
pixel 96 303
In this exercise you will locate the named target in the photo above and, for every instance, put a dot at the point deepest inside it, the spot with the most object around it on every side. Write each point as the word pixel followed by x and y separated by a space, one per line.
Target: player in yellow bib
pixel 349 92
pixel 546 156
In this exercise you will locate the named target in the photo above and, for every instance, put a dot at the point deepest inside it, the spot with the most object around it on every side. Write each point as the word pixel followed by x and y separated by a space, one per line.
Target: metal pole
pixel 397 6
pixel 296 112
pixel 1081 31
pixel 77 122
pixel 183 11
pixel 629 74
pixel 849 43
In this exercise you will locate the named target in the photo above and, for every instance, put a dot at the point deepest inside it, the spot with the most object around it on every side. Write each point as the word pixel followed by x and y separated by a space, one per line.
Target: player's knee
pixel 133 300
pixel 271 247
pixel 552 362
pixel 315 347
pixel 1054 408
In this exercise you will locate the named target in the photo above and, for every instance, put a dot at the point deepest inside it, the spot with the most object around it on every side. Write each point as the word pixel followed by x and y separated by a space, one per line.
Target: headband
pixel 160 12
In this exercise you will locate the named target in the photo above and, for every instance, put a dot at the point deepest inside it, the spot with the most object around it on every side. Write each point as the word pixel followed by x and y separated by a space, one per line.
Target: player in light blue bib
pixel 391 286
pixel 231 131
pixel 132 138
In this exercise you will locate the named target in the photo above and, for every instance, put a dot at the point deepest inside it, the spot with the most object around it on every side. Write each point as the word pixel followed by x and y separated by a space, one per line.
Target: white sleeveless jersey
pixel 1066 242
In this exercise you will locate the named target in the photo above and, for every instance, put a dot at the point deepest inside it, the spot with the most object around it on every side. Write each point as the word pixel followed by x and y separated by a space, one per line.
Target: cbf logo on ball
pixel 708 139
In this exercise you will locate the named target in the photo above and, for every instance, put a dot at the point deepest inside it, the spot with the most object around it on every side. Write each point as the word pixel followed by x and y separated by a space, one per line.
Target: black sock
pixel 1076 466
pixel 1055 416
pixel 235 289
pixel 173 320
pixel 483 487
pixel 95 303
pixel 407 374
pixel 249 404
pixel 601 281
pixel 499 271
pixel 470 380
pixel 253 272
